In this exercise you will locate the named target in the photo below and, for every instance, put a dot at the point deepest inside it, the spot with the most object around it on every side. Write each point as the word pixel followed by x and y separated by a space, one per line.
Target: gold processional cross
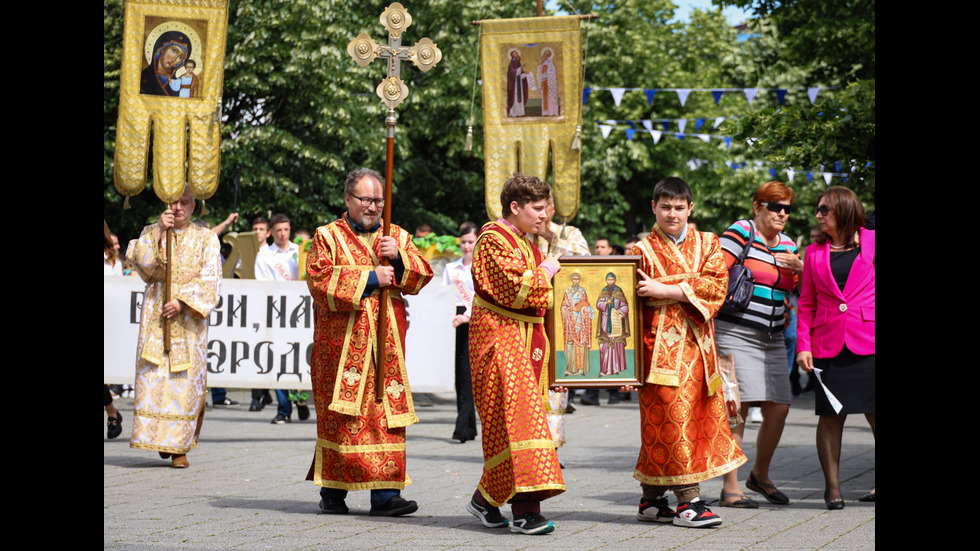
pixel 392 91
pixel 424 54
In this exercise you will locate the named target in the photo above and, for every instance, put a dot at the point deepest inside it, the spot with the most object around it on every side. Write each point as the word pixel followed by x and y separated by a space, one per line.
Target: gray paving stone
pixel 245 490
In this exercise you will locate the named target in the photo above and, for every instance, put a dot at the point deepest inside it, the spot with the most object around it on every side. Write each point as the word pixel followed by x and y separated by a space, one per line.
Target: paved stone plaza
pixel 245 489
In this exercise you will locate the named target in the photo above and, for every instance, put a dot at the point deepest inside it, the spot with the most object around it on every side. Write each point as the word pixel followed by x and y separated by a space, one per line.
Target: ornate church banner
pixel 170 85
pixel 532 103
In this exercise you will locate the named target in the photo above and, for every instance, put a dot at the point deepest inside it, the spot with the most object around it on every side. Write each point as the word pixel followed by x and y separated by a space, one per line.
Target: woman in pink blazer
pixel 836 327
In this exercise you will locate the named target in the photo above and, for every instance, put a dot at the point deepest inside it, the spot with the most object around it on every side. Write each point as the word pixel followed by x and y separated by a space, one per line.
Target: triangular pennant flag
pixel 837 166
pixel 717 95
pixel 728 142
pixel 649 94
pixel 617 94
pixel 679 136
pixel 585 94
pixel 630 131
pixel 693 164
pixel 666 124
pixel 827 177
pixel 656 135
pixel 605 129
pixel 750 94
pixel 698 123
pixel 682 95
pixel 790 173
pixel 772 173
pixel 809 176
pixel 812 94
pixel 704 137
pixel 648 124
pixel 780 95
pixel 681 124
pixel 718 121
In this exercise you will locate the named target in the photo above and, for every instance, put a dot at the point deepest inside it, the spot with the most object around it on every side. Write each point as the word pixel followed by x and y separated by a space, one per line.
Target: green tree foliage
pixel 299 114
pixel 819 43
pixel 634 44
pixel 833 39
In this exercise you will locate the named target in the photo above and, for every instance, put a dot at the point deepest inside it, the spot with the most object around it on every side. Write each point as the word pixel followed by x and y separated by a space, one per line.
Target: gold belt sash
pixel 477 301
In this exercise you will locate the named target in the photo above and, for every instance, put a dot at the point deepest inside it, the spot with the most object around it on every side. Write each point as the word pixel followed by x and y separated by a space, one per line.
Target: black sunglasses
pixel 776 207
pixel 822 210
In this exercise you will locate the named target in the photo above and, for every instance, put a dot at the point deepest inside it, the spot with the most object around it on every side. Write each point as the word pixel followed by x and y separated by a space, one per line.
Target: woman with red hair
pixel 755 336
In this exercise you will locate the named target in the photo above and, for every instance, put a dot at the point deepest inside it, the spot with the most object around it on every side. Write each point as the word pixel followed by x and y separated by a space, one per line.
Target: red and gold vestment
pixel 360 441
pixel 684 427
pixel 508 349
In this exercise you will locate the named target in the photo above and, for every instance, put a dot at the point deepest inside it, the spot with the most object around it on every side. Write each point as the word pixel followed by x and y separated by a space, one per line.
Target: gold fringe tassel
pixel 577 139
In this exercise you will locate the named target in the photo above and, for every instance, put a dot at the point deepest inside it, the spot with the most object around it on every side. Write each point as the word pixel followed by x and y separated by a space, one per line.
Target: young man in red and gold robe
pixel 683 424
pixel 360 441
pixel 508 349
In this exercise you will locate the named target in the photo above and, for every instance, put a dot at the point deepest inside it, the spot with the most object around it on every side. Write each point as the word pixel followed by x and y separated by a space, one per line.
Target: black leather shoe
pixel 114 426
pixel 395 507
pixel 590 398
pixel 833 504
pixel 768 491
pixel 333 507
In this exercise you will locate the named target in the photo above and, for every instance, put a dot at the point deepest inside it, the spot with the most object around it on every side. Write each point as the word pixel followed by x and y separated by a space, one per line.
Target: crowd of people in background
pixel 812 312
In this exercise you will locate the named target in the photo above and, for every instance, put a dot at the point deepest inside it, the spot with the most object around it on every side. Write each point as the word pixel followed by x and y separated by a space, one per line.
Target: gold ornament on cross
pixel 424 54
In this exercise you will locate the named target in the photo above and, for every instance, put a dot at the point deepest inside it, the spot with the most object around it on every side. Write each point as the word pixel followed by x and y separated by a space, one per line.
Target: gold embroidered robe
pixel 170 388
pixel 506 356
pixel 684 427
pixel 360 442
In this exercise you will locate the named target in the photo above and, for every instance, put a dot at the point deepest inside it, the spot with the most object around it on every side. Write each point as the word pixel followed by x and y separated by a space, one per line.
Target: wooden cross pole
pixel 392 91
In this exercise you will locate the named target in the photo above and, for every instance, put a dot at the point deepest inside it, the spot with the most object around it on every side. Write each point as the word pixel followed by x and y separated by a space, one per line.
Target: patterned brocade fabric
pixel 509 391
pixel 360 441
pixel 683 424
pixel 170 388
pixel 570 241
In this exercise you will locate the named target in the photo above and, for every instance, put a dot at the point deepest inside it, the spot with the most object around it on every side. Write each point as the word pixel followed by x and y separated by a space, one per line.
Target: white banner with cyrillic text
pixel 261 334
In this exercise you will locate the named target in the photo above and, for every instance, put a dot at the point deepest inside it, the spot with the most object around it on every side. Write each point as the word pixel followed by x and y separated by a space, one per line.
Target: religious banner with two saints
pixel 532 105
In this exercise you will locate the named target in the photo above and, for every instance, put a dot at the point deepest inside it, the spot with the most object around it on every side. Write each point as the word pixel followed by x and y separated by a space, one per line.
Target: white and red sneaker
pixel 655 510
pixel 695 514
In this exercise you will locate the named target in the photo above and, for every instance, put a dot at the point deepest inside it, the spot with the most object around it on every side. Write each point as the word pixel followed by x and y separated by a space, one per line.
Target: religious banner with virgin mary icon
pixel 170 86
pixel 532 104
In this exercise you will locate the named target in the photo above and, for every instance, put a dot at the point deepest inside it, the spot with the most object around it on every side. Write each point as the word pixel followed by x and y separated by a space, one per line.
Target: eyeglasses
pixel 820 210
pixel 776 207
pixel 366 201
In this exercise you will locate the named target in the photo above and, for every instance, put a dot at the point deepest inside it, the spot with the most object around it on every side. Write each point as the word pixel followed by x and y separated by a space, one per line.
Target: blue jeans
pixel 285 406
pixel 789 336
pixel 218 395
pixel 378 497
